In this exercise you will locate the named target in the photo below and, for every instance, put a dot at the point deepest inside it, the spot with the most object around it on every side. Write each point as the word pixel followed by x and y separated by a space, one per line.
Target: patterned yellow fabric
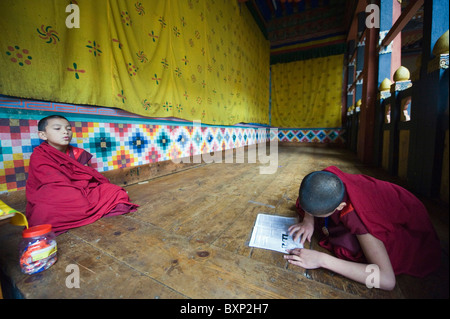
pixel 193 59
pixel 307 94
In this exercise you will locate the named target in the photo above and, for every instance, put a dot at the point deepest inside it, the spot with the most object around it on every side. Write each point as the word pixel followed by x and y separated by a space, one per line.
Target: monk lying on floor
pixel 368 224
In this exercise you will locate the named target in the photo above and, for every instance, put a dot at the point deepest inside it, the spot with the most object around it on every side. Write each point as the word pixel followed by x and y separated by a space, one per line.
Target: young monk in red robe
pixel 62 190
pixel 364 221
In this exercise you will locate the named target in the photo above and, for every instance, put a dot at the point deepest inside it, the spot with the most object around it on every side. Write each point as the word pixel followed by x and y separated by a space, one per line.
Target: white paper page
pixel 271 232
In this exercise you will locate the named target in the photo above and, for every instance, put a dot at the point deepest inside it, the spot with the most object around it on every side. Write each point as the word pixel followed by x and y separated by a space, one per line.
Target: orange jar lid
pixel 37 231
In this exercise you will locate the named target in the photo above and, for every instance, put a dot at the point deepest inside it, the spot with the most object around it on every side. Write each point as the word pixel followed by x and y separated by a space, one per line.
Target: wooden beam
pixel 259 14
pixel 402 21
pixel 365 146
pixel 353 31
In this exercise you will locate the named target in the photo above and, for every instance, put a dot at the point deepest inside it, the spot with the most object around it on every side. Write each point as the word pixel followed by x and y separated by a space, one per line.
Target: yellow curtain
pixel 307 94
pixel 193 59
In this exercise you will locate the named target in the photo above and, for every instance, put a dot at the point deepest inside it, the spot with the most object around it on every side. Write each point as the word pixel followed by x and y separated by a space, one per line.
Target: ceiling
pixel 294 24
pixel 284 19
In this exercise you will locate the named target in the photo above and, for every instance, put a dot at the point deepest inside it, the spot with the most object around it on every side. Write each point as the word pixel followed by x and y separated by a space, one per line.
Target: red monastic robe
pixel 393 215
pixel 66 194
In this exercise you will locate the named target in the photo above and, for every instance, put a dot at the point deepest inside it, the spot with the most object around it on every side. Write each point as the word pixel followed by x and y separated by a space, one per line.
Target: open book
pixel 271 232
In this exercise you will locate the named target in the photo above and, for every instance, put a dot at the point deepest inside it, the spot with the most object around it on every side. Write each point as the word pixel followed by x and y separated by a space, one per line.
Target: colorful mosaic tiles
pixel 117 140
pixel 311 135
pixel 116 145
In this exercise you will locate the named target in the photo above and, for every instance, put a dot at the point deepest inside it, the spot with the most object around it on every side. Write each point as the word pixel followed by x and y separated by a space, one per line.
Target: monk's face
pixel 58 133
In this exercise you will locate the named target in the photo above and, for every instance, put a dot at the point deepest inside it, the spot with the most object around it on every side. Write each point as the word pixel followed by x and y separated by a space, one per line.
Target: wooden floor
pixel 189 239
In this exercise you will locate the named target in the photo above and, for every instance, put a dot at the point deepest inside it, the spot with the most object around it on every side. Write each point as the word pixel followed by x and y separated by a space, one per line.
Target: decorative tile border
pixel 117 145
pixel 118 139
pixel 324 135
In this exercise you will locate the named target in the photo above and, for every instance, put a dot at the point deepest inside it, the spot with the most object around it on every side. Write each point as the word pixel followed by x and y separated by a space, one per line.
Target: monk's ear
pixel 341 206
pixel 42 135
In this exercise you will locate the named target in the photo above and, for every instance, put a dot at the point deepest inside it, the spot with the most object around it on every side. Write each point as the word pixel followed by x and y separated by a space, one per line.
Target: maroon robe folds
pixel 66 194
pixel 397 218
pixel 339 232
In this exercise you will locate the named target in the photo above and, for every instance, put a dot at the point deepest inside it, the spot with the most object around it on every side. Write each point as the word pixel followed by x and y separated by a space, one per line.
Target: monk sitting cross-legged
pixel 62 190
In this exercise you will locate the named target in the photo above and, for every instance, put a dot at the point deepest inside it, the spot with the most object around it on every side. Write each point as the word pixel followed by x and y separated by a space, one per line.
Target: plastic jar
pixel 37 249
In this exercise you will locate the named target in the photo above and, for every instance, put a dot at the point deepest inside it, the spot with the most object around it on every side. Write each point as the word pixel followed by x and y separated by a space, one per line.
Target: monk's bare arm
pixel 373 249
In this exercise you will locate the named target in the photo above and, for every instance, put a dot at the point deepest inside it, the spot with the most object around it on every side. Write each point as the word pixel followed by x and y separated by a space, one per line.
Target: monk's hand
pixel 304 229
pixel 305 258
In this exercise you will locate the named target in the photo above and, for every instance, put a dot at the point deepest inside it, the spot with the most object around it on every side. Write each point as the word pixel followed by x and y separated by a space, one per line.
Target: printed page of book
pixel 271 232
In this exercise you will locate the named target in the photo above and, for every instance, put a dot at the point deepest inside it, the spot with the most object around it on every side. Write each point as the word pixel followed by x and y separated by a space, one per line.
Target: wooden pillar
pixel 357 85
pixel 355 42
pixel 384 74
pixel 369 98
pixel 396 56
pixel 376 69
pixel 429 101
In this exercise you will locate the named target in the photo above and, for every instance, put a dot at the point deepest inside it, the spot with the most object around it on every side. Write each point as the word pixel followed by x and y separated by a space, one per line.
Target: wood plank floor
pixel 189 239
